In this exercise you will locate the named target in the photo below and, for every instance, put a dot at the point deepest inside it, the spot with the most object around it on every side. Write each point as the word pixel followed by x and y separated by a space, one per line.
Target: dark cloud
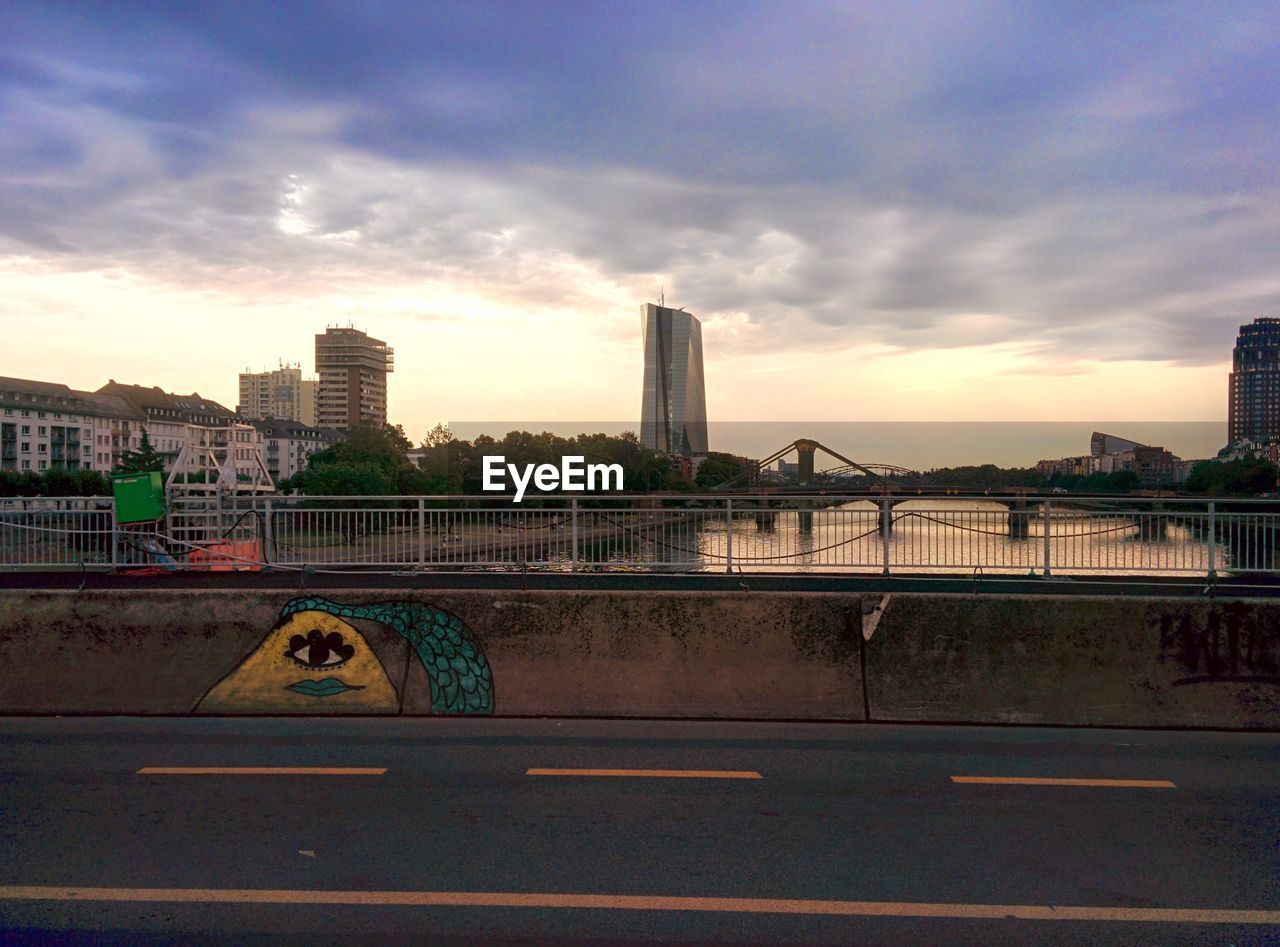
pixel 1094 181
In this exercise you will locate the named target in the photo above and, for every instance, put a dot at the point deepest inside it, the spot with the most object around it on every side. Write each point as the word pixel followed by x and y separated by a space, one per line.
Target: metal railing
pixel 885 535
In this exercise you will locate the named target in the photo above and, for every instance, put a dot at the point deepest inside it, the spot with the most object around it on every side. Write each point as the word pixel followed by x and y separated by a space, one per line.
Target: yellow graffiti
pixel 313 663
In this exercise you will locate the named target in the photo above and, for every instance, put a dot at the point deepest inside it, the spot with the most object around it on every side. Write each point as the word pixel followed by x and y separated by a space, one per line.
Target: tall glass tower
pixel 673 411
pixel 1253 412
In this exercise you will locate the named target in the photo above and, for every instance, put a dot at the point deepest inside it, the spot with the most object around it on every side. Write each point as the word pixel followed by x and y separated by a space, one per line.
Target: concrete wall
pixel 550 653
pixel 960 658
pixel 1076 660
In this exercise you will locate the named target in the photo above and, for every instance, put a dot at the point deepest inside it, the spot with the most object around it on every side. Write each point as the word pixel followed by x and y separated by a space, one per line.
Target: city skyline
pixel 940 212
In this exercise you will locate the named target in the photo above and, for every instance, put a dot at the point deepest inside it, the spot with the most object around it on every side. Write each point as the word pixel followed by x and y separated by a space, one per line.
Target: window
pixel 26 447
pixel 26 465
pixel 39 414
pixel 44 464
pixel 26 429
pixel 43 430
pixel 42 448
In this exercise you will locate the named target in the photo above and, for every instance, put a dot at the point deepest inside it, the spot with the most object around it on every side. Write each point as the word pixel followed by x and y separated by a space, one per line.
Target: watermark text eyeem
pixel 573 475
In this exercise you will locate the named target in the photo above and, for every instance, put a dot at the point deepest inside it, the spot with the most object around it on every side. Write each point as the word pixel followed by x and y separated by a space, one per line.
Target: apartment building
pixel 286 444
pixel 198 438
pixel 280 394
pixel 353 369
pixel 45 426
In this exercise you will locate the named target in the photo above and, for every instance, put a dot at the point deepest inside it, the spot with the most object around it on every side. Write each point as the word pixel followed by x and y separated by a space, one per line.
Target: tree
pixel 141 460
pixel 438 436
pixel 1248 476
pixel 90 483
pixel 718 469
pixel 369 462
pixel 58 483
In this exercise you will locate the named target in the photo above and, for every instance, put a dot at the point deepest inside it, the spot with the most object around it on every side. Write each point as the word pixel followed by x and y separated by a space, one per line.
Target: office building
pixel 282 393
pixel 1253 408
pixel 353 371
pixel 673 412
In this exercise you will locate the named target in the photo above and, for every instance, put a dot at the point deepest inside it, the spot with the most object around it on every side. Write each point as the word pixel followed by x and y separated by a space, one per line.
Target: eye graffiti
pixel 315 652
pixel 310 663
pixel 318 650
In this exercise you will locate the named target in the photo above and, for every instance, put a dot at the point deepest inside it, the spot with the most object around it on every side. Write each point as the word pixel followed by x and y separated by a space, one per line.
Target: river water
pixel 943 536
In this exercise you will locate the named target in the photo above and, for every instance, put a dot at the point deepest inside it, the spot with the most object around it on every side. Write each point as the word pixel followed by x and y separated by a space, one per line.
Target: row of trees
pixel 374 460
pixel 53 483
pixel 57 482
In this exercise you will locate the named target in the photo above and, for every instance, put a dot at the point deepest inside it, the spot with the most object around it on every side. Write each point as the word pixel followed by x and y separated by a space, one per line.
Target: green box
pixel 139 496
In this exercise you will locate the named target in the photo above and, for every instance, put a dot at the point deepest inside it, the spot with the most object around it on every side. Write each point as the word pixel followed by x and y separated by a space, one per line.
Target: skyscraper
pixel 1253 411
pixel 353 371
pixel 673 412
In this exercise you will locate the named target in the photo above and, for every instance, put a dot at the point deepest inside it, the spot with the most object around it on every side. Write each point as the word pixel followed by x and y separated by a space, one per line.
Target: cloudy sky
pixel 879 210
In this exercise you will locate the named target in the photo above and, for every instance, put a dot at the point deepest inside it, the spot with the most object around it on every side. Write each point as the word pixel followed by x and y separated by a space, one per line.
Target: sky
pixel 952 211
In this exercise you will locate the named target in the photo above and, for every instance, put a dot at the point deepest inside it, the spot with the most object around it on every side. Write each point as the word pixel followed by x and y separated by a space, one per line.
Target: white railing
pixel 885 535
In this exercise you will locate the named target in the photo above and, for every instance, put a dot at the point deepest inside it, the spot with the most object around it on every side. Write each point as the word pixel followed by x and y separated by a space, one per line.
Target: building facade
pixel 286 444
pixel 1109 454
pixel 199 439
pixel 352 369
pixel 1253 406
pixel 47 426
pixel 282 393
pixel 673 411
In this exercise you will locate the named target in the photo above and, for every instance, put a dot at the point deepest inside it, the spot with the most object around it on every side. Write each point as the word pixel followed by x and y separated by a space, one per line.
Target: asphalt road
pixel 454 830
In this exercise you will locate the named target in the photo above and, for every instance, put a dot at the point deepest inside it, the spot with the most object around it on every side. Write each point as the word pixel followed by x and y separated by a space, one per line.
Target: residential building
pixel 1253 406
pixel 282 393
pixel 352 369
pixel 46 425
pixel 673 412
pixel 1110 454
pixel 286 444
pixel 199 439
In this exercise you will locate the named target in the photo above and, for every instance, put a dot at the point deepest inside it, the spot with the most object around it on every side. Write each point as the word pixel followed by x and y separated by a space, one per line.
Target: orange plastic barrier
pixel 226 557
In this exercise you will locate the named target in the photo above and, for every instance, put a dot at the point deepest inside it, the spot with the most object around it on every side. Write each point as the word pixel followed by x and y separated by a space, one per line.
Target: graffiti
pixel 1232 644
pixel 315 661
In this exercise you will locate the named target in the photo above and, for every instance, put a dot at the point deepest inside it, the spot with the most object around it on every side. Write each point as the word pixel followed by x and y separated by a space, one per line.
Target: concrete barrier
pixel 678 654
pixel 1076 661
pixel 941 658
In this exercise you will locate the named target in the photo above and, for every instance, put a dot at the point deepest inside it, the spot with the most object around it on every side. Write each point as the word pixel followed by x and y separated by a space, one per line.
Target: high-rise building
pixel 353 371
pixel 282 393
pixel 673 412
pixel 1253 411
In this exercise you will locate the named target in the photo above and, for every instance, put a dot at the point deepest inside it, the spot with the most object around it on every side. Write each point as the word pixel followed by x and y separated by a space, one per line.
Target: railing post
pixel 1213 541
pixel 573 534
pixel 422 534
pixel 728 539
pixel 886 526
pixel 268 532
pixel 1048 509
pixel 115 538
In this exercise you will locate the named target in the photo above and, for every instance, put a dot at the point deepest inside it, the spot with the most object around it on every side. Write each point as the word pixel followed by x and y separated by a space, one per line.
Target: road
pixel 456 830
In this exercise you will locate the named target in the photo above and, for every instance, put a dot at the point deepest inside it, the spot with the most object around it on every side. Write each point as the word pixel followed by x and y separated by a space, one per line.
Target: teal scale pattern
pixel 461 680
